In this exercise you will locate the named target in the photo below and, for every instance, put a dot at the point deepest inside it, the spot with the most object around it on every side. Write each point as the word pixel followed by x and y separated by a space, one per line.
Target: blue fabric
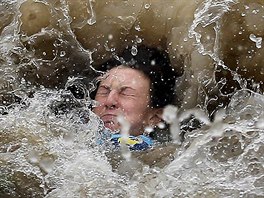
pixel 135 143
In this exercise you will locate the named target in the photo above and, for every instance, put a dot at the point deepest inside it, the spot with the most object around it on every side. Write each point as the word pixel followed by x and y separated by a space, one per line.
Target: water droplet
pixel 170 113
pixel 57 43
pixel 110 36
pixel 240 48
pixel 137 27
pixel 148 129
pixel 138 40
pixel 255 11
pixel 257 40
pixel 134 50
pixel 91 21
pixel 161 125
pixel 147 6
pixel 24 140
pixel 62 53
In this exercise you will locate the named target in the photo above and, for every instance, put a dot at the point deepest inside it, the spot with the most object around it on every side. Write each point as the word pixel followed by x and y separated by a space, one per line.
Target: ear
pixel 155 116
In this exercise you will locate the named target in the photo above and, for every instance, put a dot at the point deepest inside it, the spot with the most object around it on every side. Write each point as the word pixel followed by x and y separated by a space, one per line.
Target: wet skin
pixel 125 92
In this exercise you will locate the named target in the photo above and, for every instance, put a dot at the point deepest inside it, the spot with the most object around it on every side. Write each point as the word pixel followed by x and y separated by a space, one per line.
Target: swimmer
pixel 136 87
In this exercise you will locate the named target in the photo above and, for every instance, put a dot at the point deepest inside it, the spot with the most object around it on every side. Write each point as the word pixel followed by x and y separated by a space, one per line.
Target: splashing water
pixel 257 40
pixel 170 116
pixel 48 140
pixel 125 126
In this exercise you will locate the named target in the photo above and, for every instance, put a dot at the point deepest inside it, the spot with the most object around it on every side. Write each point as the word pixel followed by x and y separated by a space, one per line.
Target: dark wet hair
pixel 154 64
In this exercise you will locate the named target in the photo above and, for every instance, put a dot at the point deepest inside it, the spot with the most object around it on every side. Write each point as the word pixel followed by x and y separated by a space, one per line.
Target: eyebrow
pixel 104 86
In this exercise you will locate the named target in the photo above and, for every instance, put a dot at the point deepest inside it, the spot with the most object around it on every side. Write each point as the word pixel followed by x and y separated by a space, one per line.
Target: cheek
pixel 99 103
pixel 134 110
pixel 98 98
pixel 98 110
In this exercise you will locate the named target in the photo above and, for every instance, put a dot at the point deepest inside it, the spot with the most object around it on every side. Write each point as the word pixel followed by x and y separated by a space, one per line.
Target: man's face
pixel 124 92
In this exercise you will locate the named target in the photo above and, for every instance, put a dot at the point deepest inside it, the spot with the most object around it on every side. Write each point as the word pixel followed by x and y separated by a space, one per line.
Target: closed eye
pixel 127 91
pixel 103 90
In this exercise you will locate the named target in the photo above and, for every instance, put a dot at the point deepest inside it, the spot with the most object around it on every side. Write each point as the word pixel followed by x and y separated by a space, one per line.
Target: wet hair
pixel 155 65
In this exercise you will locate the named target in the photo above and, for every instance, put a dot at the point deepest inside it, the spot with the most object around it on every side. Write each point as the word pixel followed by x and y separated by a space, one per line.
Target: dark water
pixel 217 45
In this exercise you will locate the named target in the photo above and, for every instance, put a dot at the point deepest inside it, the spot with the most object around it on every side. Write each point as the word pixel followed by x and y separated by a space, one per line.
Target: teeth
pixel 110 122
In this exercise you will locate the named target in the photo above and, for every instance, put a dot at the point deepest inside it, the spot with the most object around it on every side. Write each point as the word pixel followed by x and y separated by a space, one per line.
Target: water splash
pixel 170 115
pixel 92 20
pixel 209 13
pixel 213 158
pixel 125 127
pixel 257 40
pixel 48 140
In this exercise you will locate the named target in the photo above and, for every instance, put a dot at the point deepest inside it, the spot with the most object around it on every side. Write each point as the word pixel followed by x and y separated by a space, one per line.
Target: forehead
pixel 125 75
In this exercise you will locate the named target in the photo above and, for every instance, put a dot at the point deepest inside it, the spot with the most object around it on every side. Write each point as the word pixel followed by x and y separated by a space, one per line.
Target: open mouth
pixel 109 121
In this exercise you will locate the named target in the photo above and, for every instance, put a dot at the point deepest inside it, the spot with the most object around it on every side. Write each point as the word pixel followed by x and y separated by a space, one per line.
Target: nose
pixel 112 99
